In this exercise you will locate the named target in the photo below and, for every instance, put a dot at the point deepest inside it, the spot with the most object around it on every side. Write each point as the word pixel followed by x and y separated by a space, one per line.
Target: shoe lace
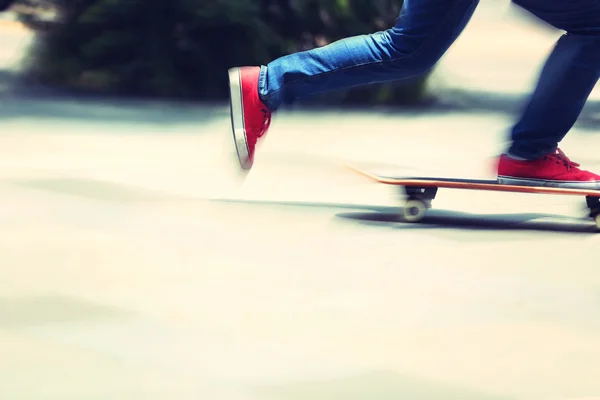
pixel 266 122
pixel 261 125
pixel 560 157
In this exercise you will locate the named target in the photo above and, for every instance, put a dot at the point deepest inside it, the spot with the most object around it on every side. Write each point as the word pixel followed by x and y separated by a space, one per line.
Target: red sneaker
pixel 250 118
pixel 553 169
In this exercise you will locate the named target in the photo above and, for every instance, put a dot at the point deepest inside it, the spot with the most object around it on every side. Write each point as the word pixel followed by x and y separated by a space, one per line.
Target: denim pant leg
pixel 423 32
pixel 567 79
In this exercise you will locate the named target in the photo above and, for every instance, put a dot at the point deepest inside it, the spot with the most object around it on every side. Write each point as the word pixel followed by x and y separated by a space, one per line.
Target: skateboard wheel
pixel 414 210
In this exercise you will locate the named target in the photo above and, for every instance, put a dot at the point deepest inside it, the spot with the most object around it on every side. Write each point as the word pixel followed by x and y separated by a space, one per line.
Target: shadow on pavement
pixel 341 206
pixel 482 101
pixel 96 190
pixel 439 219
pixel 387 216
pixel 25 100
pixel 451 102
pixel 379 385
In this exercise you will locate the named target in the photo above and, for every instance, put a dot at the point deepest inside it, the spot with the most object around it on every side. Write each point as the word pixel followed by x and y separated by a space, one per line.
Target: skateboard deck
pixel 421 191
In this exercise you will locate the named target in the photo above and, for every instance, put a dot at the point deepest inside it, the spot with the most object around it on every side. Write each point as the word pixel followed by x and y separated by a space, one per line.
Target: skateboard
pixel 419 192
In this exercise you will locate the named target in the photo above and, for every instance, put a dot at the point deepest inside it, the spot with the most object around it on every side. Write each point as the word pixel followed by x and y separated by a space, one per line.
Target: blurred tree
pixel 5 4
pixel 183 48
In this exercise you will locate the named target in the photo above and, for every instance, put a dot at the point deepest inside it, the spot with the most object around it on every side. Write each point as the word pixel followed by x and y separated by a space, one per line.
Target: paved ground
pixel 136 263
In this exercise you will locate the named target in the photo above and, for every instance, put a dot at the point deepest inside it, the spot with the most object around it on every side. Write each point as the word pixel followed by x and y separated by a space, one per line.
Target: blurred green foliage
pixel 183 48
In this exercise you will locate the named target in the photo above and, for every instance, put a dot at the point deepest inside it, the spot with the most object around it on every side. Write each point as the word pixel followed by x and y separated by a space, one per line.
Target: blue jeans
pixel 422 34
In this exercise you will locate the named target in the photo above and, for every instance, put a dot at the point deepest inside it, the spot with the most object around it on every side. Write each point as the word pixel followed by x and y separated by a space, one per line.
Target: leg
pixel 423 32
pixel 565 83
pixel 567 79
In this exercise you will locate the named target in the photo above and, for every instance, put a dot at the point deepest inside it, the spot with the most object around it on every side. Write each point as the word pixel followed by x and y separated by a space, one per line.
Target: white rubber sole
pixel 236 108
pixel 504 180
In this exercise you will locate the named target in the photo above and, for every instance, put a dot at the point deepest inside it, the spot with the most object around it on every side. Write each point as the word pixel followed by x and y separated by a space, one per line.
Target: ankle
pixel 514 157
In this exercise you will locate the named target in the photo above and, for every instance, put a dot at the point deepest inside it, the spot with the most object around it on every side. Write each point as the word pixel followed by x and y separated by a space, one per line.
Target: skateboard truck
pixel 593 204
